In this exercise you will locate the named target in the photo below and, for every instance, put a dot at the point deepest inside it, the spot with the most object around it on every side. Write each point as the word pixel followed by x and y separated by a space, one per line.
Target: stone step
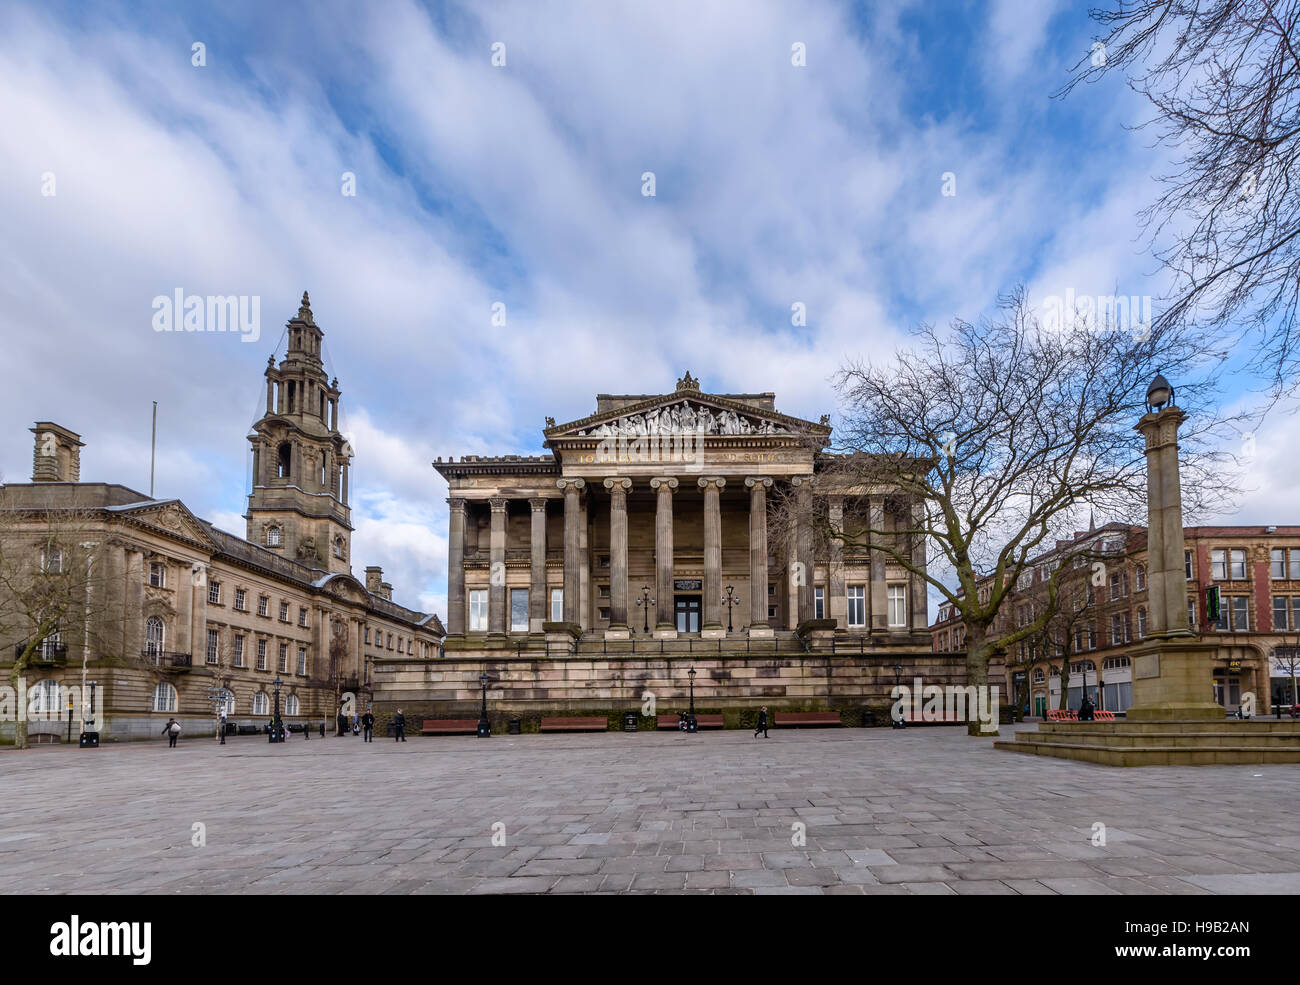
pixel 1171 738
pixel 1110 755
pixel 1234 726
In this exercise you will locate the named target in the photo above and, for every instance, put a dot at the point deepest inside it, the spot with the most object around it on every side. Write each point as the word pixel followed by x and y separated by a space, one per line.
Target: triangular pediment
pixel 686 412
pixel 173 518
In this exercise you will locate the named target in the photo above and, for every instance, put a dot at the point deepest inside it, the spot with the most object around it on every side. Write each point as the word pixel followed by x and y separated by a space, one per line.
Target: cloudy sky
pixel 521 184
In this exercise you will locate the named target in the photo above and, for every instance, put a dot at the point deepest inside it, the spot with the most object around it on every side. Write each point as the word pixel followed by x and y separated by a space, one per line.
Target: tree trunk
pixel 20 713
pixel 978 652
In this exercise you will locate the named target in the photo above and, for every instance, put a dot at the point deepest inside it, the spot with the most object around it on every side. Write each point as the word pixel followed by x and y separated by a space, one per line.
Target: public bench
pixel 701 721
pixel 449 726
pixel 251 729
pixel 574 725
pixel 791 718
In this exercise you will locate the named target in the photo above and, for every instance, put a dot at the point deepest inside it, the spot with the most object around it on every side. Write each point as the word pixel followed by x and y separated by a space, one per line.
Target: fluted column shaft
pixel 664 488
pixel 618 488
pixel 456 568
pixel 804 544
pixel 572 547
pixel 712 486
pixel 837 598
pixel 758 486
pixel 497 566
pixel 537 600
pixel 876 599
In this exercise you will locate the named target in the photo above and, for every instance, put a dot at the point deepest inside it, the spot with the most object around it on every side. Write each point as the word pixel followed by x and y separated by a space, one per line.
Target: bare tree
pixel 989 440
pixel 1223 77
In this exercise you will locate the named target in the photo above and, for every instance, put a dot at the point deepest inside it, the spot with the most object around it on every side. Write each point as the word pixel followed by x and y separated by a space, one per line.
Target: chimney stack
pixel 374 579
pixel 57 456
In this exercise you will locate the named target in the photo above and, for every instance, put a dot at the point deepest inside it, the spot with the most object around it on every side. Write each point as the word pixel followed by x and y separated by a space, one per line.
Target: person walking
pixel 368 726
pixel 306 730
pixel 399 726
pixel 762 722
pixel 173 732
pixel 222 726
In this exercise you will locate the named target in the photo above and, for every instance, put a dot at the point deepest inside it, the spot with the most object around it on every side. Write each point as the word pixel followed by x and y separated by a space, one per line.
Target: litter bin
pixel 868 718
pixel 89 740
pixel 515 726
pixel 630 719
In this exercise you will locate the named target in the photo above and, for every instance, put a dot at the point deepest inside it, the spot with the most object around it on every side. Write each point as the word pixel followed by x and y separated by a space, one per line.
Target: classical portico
pixel 645 516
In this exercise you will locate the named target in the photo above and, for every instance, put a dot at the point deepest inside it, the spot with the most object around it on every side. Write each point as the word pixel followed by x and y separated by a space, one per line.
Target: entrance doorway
pixel 1227 690
pixel 687 610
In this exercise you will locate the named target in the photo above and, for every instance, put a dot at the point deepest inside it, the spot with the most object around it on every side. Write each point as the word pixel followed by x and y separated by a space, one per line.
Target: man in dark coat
pixel 399 726
pixel 368 727
pixel 1085 709
pixel 762 723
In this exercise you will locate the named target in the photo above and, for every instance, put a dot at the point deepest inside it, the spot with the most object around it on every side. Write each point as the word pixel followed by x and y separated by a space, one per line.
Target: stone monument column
pixel 712 625
pixel 758 487
pixel 664 488
pixel 618 488
pixel 537 600
pixel 456 568
pixel 804 546
pixel 572 547
pixel 837 596
pixel 497 567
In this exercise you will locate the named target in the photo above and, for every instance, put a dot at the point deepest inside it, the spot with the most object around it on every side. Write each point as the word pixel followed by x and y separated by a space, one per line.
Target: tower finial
pixel 304 310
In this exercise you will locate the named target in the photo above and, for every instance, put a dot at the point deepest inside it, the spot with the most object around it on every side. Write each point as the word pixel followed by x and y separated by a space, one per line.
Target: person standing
pixel 399 726
pixel 173 732
pixel 762 722
pixel 222 726
pixel 368 726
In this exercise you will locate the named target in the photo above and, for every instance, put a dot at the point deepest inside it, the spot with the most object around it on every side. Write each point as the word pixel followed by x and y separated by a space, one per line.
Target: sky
pixel 881 165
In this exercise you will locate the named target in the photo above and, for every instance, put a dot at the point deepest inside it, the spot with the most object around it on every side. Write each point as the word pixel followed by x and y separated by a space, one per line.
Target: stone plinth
pixel 1171 682
pixel 1164 743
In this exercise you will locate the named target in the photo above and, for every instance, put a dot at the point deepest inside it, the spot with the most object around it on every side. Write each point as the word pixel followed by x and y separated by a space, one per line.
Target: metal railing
pixel 166 658
pixel 49 651
pixel 784 642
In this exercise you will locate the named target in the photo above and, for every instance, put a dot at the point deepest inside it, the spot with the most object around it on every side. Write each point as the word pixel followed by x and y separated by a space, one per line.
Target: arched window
pixel 1039 677
pixel 155 638
pixel 226 701
pixel 291 705
pixel 338 547
pixel 43 699
pixel 164 698
pixel 272 536
pixel 261 704
pixel 1142 623
pixel 284 458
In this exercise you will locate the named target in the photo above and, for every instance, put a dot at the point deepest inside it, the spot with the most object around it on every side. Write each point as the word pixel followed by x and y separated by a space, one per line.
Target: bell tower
pixel 298 505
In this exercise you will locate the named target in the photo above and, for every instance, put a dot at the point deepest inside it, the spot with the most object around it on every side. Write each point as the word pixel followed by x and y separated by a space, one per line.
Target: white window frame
pixel 239 650
pixel 261 654
pixel 819 602
pixel 897 602
pixel 857 606
pixel 515 625
pixel 157 574
pixel 261 704
pixel 214 643
pixel 167 693
pixel 302 661
pixel 478 610
pixel 557 605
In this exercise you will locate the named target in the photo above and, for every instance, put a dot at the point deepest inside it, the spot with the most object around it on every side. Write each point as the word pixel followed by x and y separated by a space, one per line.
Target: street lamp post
pixel 277 726
pixel 730 601
pixel 690 718
pixel 644 602
pixel 484 726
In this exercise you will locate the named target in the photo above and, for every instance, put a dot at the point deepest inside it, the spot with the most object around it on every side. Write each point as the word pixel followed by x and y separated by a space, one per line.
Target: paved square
pixel 917 811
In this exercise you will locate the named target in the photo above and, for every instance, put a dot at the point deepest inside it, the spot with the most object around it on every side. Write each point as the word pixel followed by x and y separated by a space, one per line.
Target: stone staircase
pixel 1175 743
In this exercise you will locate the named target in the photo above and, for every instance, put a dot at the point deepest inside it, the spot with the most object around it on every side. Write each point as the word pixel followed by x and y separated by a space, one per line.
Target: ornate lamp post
pixel 898 673
pixel 730 601
pixel 644 602
pixel 277 726
pixel 690 719
pixel 484 726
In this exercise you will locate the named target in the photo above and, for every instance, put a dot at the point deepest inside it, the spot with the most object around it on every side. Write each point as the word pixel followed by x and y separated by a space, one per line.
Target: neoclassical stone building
pixel 167 610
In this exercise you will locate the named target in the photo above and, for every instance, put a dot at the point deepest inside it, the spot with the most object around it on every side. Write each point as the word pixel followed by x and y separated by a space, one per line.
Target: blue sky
pixel 521 184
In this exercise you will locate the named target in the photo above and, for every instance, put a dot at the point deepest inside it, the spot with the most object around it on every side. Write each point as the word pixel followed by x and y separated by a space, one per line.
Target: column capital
pixel 799 480
pixel 758 480
pixel 567 481
pixel 618 482
pixel 668 481
pixel 499 504
pixel 538 504
pixel 457 503
pixel 705 481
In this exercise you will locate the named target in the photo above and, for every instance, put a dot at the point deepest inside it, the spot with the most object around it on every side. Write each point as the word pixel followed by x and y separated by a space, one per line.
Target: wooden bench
pixel 791 718
pixel 574 725
pixel 449 726
pixel 701 721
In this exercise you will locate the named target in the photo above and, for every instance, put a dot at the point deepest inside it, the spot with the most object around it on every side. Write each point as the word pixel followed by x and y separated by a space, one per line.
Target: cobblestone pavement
pixel 917 811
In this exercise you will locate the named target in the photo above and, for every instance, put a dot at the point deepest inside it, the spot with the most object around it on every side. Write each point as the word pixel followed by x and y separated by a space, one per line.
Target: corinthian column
pixel 617 557
pixel 758 487
pixel 837 598
pixel 712 486
pixel 664 488
pixel 537 600
pixel 497 566
pixel 456 568
pixel 572 547
pixel 804 544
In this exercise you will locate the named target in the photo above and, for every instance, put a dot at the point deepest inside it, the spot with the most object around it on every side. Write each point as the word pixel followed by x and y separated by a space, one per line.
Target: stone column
pixel 837 596
pixel 712 625
pixel 918 590
pixel 497 567
pixel 456 568
pixel 199 613
pixel 877 602
pixel 572 547
pixel 1166 575
pixel 758 487
pixel 804 545
pixel 537 601
pixel 270 395
pixel 618 488
pixel 133 610
pixel 664 487
pixel 182 642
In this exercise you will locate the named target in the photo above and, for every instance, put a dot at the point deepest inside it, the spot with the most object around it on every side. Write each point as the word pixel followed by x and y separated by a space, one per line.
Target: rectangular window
pixel 602 613
pixel 1142 624
pixel 771 613
pixel 1238 565
pixel 858 606
pixel 284 612
pixel 400 645
pixel 302 661
pixel 518 610
pixel 603 591
pixel 239 651
pixel 1191 613
pixel 241 600
pixel 213 638
pixel 261 654
pixel 1277 563
pixel 1116 629
pixel 390 641
pixel 264 605
pixel 1295 564
pixel 897 605
pixel 1240 614
pixel 367 635
pixel 283 666
pixel 1279 613
pixel 1188 567
pixel 557 605
pixel 214 593
pixel 478 606
pixel 1219 564
pixel 302 617
pixel 819 603
pixel 1114 586
pixel 1141 578
pixel 157 575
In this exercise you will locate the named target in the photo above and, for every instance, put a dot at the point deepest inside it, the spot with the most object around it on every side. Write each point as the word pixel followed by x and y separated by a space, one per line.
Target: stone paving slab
pixel 851 811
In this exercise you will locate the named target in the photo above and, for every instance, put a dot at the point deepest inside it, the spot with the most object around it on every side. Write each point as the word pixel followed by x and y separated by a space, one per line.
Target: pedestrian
pixel 1085 709
pixel 368 726
pixel 762 723
pixel 173 732
pixel 399 726
pixel 223 726
pixel 306 730
pixel 356 724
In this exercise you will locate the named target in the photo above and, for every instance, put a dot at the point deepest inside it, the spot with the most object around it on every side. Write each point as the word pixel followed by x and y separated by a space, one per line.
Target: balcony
pixel 48 652
pixel 166 658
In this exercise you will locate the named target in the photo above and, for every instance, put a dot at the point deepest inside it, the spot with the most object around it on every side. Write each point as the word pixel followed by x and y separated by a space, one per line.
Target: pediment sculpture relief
pixel 684 418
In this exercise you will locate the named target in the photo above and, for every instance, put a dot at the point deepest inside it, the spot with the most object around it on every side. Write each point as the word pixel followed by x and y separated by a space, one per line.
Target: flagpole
pixel 153 447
